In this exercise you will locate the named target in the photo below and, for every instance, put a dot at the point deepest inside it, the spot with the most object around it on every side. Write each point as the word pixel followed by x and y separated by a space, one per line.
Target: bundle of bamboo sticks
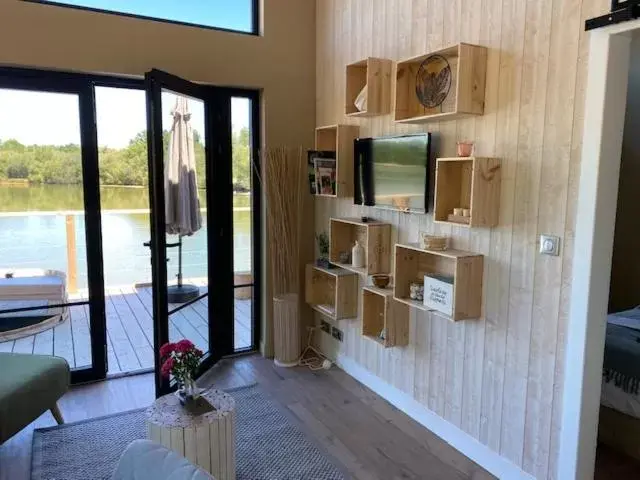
pixel 284 170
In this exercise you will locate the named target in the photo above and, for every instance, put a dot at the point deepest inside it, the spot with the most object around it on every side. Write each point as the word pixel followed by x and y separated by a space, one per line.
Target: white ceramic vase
pixel 357 255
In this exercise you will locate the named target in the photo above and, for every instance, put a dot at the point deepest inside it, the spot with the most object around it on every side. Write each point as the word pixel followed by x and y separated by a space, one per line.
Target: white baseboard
pixel 461 441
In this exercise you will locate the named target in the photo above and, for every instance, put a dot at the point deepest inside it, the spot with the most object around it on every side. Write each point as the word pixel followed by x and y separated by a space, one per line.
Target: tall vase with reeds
pixel 284 180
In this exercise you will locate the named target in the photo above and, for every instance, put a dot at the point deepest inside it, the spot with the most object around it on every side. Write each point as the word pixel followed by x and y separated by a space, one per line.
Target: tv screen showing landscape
pixel 399 172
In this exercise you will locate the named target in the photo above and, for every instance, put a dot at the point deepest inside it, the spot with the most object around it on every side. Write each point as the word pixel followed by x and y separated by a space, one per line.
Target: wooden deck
pixel 129 331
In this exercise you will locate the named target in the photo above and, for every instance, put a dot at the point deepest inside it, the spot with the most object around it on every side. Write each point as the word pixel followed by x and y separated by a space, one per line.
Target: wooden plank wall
pixel 500 378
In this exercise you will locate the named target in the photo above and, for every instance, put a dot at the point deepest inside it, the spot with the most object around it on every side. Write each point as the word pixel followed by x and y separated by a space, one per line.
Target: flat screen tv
pixel 393 172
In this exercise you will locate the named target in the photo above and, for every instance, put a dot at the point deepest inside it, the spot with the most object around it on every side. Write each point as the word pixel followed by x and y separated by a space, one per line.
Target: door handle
pixel 168 245
pixel 148 245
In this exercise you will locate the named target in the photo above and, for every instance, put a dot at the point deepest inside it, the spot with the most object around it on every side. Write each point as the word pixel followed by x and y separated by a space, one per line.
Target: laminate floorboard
pixel 371 438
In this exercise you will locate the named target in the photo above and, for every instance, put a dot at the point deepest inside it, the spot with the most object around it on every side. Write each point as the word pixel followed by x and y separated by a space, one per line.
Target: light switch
pixel 549 245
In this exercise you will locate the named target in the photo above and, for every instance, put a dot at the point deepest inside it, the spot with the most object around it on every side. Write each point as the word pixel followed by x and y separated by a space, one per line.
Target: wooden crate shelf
pixel 339 139
pixel 375 238
pixel 466 268
pixel 466 96
pixel 472 183
pixel 381 312
pixel 375 73
pixel 332 291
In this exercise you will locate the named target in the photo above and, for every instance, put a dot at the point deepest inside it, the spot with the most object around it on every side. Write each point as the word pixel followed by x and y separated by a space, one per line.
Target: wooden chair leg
pixel 55 411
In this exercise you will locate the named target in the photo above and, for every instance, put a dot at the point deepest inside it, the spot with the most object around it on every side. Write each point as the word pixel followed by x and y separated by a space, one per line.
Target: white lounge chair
pixel 31 287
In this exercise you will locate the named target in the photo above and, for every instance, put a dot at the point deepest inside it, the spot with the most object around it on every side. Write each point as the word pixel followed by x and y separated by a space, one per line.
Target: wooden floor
pixel 613 465
pixel 371 438
pixel 368 436
pixel 129 331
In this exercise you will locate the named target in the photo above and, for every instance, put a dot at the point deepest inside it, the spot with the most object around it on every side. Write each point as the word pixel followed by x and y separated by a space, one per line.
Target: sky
pixel 42 118
pixel 231 14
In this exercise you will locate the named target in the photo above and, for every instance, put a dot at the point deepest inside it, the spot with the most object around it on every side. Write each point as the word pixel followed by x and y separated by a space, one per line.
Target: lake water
pixel 33 233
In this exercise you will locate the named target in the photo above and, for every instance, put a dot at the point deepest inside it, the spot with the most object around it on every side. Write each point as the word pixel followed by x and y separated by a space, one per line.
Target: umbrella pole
pixel 179 260
pixel 181 293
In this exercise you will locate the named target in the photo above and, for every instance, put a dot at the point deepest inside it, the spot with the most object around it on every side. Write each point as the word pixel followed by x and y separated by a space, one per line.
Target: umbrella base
pixel 182 293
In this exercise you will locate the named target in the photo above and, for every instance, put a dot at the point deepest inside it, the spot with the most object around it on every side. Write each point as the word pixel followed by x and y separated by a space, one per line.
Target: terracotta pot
pixel 465 149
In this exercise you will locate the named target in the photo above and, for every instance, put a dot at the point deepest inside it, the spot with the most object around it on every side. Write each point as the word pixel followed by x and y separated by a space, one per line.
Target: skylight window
pixel 234 15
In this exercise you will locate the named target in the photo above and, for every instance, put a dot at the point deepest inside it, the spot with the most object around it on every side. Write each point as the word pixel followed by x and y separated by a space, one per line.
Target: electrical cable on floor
pixel 313 358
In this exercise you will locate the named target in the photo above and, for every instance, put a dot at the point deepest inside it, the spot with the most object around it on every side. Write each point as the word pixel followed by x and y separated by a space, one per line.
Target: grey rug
pixel 269 445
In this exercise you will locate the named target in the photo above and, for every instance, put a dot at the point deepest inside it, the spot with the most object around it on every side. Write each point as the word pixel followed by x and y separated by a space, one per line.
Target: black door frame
pixel 219 194
pixel 84 85
pixel 155 82
pixel 30 80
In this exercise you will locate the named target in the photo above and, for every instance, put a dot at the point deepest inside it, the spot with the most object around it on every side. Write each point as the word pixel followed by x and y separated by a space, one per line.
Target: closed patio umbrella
pixel 182 205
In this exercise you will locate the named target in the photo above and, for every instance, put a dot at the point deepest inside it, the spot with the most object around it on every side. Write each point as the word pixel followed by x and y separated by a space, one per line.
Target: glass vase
pixel 188 391
pixel 191 389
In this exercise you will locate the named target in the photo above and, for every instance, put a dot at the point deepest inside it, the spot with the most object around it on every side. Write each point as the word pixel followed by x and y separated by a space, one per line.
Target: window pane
pixel 43 255
pixel 242 221
pixel 243 318
pixel 187 274
pixel 124 198
pixel 228 14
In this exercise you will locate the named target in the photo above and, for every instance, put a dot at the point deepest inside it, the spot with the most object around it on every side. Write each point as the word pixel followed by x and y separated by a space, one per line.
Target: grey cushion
pixel 146 460
pixel 29 386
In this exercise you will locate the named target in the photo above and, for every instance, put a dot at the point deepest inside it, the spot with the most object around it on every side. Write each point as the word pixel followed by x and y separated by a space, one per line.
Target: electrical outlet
pixel 549 245
pixel 336 333
pixel 325 326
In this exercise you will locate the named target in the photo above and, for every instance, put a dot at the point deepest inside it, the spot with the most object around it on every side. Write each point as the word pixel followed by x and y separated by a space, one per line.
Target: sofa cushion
pixel 146 460
pixel 29 386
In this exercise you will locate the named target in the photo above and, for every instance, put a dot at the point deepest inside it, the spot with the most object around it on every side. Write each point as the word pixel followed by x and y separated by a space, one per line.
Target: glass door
pixel 76 278
pixel 190 196
pixel 51 293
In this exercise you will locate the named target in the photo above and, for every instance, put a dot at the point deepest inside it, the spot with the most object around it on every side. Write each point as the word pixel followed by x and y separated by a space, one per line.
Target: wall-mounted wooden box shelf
pixel 466 96
pixel 339 138
pixel 375 73
pixel 472 183
pixel 375 238
pixel 380 312
pixel 466 268
pixel 332 291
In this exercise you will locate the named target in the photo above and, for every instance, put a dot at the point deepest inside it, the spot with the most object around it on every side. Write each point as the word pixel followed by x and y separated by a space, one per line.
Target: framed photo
pixel 321 170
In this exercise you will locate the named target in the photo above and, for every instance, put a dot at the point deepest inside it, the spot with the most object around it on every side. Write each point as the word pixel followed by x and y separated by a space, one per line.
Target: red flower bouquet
pixel 181 360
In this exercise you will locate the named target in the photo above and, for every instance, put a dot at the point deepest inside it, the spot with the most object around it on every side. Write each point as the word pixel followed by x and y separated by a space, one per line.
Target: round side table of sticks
pixel 207 439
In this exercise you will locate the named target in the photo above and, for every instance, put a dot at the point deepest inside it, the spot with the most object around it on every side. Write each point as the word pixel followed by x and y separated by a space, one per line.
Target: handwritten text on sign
pixel 438 295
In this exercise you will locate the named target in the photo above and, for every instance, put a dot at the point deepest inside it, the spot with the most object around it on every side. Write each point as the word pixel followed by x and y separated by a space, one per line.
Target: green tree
pixel 62 164
pixel 241 160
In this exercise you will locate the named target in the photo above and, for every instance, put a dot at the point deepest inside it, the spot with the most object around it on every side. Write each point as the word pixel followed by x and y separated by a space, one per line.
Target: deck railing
pixel 240 278
pixel 72 258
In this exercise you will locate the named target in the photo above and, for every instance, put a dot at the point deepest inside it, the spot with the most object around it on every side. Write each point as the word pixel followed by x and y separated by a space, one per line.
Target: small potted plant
pixel 323 250
pixel 181 359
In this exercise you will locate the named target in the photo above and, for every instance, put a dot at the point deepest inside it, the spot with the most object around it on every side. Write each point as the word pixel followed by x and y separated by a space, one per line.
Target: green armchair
pixel 29 386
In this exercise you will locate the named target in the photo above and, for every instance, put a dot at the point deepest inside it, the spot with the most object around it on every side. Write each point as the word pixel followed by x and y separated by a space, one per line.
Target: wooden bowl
pixel 381 280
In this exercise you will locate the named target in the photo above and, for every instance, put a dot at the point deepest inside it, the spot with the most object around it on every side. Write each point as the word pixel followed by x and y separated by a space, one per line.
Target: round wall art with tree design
pixel 433 81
